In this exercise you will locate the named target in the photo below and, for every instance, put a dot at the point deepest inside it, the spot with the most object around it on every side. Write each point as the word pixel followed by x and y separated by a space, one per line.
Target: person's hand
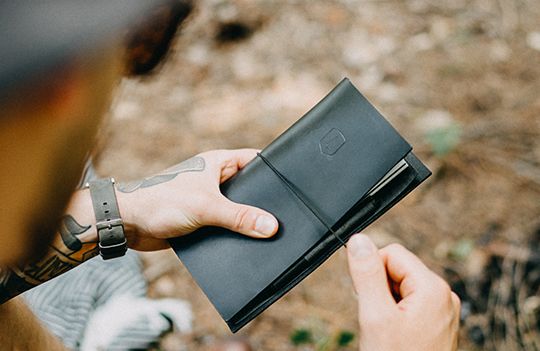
pixel 186 197
pixel 424 315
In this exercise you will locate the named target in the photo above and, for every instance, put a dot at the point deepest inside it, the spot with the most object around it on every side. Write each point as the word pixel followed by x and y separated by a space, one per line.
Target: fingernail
pixel 265 225
pixel 361 246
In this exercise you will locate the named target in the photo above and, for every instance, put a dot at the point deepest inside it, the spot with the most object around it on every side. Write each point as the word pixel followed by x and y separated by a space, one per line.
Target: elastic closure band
pixel 300 197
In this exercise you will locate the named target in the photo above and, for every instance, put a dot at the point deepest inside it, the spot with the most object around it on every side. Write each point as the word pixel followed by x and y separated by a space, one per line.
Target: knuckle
pixel 240 218
pixel 443 293
pixel 439 284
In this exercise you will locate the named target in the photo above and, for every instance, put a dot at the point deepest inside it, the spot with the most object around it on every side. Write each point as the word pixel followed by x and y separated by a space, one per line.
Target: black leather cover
pixel 333 155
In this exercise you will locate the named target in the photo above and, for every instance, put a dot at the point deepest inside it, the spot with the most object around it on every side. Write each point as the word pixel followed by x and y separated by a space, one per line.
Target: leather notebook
pixel 328 176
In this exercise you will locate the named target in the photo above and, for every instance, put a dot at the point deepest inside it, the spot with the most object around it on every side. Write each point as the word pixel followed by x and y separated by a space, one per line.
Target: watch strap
pixel 109 225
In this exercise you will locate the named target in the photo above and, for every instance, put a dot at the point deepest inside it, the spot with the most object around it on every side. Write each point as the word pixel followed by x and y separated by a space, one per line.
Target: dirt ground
pixel 460 80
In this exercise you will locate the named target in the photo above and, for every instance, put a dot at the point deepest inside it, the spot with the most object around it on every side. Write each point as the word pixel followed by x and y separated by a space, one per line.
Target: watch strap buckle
pixel 109 223
pixel 110 227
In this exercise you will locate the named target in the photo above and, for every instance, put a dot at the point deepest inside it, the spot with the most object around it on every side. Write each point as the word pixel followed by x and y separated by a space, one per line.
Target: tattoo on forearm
pixel 73 245
pixel 76 243
pixel 69 228
pixel 194 164
pixel 47 269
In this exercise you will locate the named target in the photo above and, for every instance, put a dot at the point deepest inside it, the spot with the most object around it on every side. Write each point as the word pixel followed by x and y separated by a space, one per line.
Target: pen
pixel 367 208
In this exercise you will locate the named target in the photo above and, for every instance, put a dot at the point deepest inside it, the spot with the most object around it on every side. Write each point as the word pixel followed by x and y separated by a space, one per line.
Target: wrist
pixel 127 205
pixel 109 224
pixel 140 223
pixel 81 208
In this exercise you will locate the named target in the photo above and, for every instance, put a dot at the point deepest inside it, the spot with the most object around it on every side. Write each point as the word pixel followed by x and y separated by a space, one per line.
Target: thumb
pixel 243 219
pixel 369 277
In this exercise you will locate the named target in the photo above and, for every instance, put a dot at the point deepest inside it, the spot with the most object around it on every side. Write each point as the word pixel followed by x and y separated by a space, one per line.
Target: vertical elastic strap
pixel 300 197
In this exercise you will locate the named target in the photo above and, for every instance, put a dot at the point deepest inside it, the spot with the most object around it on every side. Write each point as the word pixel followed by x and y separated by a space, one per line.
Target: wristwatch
pixel 110 228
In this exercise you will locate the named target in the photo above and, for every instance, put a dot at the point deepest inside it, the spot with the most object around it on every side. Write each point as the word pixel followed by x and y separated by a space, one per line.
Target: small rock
pixel 533 40
pixel 198 54
pixel 462 249
pixel 370 78
pixel 359 49
pixel 531 304
pixel 476 262
pixel 442 249
pixel 500 51
pixel 435 119
pixel 421 42
pixel 245 66
pixel 440 28
pixel 385 44
pixel 179 95
pixel 388 92
pixel 226 12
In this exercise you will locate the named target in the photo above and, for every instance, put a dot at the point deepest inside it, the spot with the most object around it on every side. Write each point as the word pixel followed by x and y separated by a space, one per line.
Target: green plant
pixel 444 139
pixel 344 338
pixel 462 249
pixel 303 336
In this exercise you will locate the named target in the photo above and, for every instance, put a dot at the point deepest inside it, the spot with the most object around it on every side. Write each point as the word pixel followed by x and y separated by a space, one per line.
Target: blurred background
pixel 459 79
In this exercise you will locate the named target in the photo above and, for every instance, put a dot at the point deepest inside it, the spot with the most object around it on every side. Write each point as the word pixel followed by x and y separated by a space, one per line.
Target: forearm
pixel 20 330
pixel 74 243
pixel 172 203
pixel 76 240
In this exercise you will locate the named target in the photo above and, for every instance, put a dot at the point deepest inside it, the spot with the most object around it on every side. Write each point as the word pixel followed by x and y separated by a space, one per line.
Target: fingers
pixel 427 316
pixel 418 285
pixel 241 157
pixel 404 268
pixel 231 161
pixel 243 219
pixel 369 278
